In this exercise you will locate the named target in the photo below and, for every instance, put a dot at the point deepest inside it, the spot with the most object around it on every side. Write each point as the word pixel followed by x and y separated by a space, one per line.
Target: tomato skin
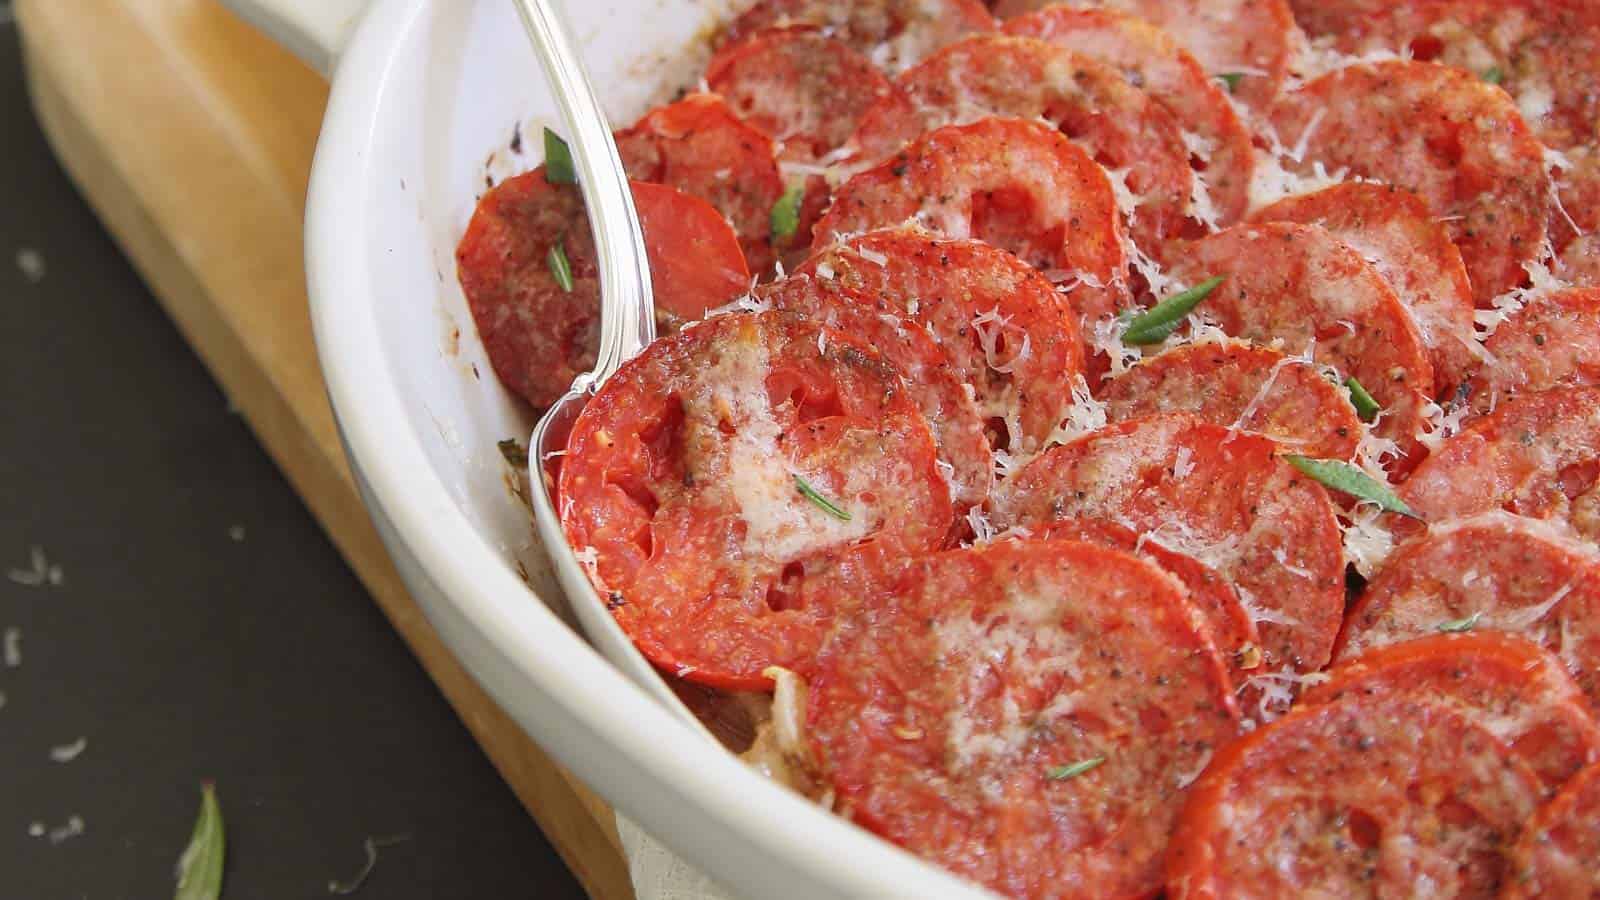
pixel 1117 124
pixel 701 147
pixel 1286 401
pixel 1226 621
pixel 1496 677
pixel 907 30
pixel 1392 229
pixel 538 336
pixel 1265 528
pixel 1552 341
pixel 1303 287
pixel 908 714
pixel 1381 797
pixel 1151 58
pixel 1256 38
pixel 948 287
pixel 1537 455
pixel 680 483
pixel 799 86
pixel 1457 142
pixel 930 376
pixel 1017 185
pixel 1496 571
pixel 1556 855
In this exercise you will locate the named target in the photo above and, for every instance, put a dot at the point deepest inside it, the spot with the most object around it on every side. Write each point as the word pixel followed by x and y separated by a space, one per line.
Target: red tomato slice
pixel 1553 341
pixel 939 714
pixel 1150 58
pixel 1505 683
pixel 1253 39
pixel 1008 333
pixel 1494 572
pixel 1020 186
pixel 1090 102
pixel 1555 857
pixel 540 337
pixel 685 479
pixel 1544 53
pixel 1537 455
pixel 1230 626
pixel 1456 141
pixel 1393 230
pixel 699 146
pixel 930 377
pixel 1298 287
pixel 1387 797
pixel 1221 497
pixel 804 89
pixel 894 34
pixel 1241 386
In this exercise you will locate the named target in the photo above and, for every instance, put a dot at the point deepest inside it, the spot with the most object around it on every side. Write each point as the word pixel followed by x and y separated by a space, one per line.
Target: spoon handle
pixel 627 303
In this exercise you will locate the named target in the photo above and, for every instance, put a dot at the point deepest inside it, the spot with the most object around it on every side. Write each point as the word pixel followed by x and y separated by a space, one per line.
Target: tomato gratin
pixel 1112 448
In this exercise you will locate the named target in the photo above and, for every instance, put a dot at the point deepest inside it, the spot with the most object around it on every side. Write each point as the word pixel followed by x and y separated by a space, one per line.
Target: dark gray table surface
pixel 203 626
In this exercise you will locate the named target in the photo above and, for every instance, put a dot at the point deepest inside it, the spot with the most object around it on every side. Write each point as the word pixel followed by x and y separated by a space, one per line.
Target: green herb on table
pixel 1349 479
pixel 200 866
pixel 560 268
pixel 822 503
pixel 558 168
pixel 1158 322
pixel 1366 407
pixel 784 220
pixel 1062 773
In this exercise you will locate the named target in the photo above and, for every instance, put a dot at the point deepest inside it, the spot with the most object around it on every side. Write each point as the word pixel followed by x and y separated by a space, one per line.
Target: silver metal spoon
pixel 627 324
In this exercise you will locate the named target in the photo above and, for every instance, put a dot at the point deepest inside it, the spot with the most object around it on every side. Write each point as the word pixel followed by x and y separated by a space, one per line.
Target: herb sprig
pixel 558 167
pixel 821 502
pixel 200 866
pixel 1073 770
pixel 1348 479
pixel 1159 321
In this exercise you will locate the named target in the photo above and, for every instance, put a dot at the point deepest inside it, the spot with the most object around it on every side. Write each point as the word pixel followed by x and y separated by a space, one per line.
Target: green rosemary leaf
pixel 1232 79
pixel 784 220
pixel 1349 479
pixel 558 167
pixel 200 866
pixel 1366 407
pixel 1493 75
pixel 823 503
pixel 1159 321
pixel 1062 773
pixel 1461 626
pixel 560 268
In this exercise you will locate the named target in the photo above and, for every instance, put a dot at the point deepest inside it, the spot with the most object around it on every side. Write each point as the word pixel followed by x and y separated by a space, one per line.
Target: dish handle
pixel 314 30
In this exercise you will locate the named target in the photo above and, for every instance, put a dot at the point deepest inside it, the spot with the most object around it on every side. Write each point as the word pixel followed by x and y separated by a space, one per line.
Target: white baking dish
pixel 426 99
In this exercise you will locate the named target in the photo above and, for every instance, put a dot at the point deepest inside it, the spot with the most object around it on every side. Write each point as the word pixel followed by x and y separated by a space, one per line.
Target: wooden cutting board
pixel 191 136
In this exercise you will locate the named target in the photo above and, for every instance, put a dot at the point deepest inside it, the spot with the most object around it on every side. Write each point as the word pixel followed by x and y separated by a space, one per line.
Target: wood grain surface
pixel 218 111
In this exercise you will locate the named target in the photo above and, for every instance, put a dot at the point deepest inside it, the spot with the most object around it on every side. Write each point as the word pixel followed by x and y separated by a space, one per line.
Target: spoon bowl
pixel 627 326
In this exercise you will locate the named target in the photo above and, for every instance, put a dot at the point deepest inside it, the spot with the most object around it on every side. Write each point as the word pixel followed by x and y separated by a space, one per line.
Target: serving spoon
pixel 627 325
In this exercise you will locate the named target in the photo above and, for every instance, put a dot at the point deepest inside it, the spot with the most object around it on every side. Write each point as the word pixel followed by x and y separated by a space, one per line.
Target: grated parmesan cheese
pixel 982 529
pixel 1367 541
pixel 1085 415
pixel 1278 690
pixel 13 647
